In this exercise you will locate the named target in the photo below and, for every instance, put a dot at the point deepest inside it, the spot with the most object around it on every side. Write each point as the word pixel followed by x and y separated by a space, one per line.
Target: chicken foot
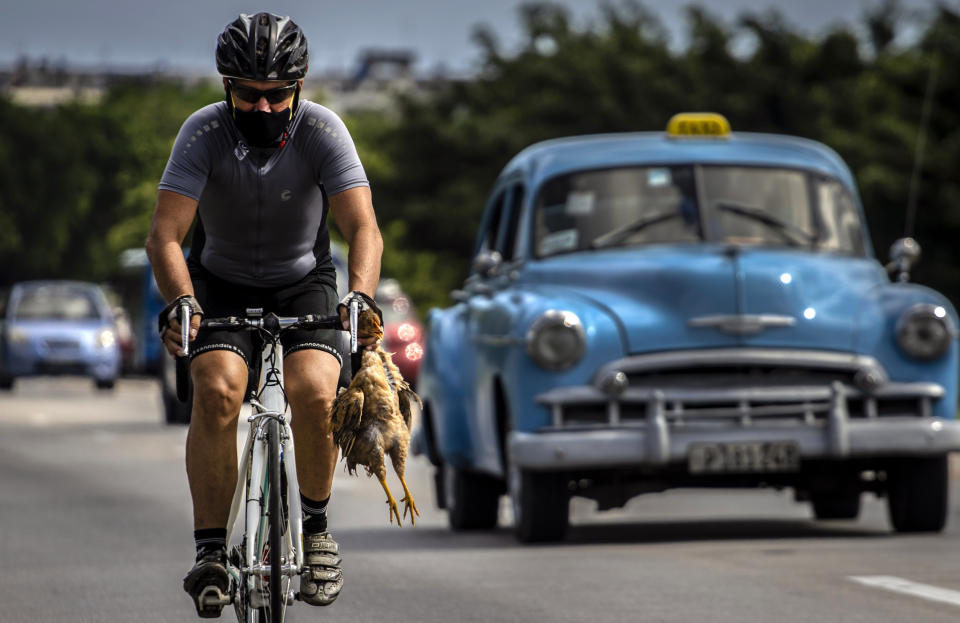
pixel 390 501
pixel 409 504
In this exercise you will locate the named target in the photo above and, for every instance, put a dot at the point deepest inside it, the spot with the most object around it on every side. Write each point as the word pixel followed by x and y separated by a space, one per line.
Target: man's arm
pixel 352 210
pixel 171 222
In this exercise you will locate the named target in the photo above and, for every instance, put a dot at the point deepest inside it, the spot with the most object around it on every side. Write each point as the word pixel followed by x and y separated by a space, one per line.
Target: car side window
pixel 489 240
pixel 508 241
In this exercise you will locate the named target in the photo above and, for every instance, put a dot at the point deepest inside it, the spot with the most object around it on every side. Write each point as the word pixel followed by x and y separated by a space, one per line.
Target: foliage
pixel 79 180
pixel 863 97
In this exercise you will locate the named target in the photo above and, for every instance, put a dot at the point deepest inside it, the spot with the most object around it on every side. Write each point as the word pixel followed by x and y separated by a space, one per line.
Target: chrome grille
pixel 738 387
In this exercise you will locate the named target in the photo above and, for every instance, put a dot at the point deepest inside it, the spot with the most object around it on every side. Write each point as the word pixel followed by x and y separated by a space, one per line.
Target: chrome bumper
pixel 664 433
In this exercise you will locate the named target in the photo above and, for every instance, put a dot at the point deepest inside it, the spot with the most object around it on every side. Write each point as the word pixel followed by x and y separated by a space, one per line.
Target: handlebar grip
pixel 183 363
pixel 183 378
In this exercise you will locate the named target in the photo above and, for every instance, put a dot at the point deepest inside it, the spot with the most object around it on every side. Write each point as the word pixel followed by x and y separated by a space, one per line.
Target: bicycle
pixel 270 553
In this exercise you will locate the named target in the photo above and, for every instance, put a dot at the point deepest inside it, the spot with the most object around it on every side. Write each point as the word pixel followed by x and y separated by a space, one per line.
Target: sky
pixel 180 35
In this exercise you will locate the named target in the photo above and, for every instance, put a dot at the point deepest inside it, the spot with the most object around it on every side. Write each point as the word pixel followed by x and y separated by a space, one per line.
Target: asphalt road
pixel 95 526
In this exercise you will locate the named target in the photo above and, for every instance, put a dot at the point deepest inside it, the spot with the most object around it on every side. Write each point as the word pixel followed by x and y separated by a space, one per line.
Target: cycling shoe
pixel 208 584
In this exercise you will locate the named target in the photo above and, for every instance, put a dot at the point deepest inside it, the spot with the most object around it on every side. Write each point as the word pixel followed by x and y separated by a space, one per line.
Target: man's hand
pixel 169 323
pixel 363 343
pixel 171 337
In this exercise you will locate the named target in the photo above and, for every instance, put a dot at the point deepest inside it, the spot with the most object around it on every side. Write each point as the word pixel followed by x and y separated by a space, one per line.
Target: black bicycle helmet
pixel 262 47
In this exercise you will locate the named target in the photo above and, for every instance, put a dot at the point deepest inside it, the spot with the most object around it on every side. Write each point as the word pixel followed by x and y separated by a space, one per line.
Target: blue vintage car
pixel 691 308
pixel 59 327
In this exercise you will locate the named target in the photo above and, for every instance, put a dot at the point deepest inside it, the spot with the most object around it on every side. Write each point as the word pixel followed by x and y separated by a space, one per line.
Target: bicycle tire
pixel 277 598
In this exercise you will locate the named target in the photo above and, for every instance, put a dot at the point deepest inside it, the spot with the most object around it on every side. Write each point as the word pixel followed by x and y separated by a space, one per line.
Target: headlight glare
pixel 924 332
pixel 556 340
pixel 17 336
pixel 106 338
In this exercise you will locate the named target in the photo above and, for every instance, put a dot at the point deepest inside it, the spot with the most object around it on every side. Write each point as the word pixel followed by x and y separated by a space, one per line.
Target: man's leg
pixel 310 377
pixel 219 378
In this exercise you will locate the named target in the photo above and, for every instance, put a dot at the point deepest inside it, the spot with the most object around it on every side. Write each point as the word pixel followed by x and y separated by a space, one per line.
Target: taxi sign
pixel 698 125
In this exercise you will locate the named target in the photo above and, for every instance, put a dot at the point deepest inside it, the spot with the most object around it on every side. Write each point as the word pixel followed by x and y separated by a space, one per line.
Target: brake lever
pixel 354 313
pixel 185 327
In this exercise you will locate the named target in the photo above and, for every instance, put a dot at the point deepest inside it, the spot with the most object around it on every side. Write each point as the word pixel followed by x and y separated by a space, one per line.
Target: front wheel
pixel 541 505
pixel 278 596
pixel 917 495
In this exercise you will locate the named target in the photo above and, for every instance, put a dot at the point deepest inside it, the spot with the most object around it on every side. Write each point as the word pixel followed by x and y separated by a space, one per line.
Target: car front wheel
pixel 541 505
pixel 472 500
pixel 917 494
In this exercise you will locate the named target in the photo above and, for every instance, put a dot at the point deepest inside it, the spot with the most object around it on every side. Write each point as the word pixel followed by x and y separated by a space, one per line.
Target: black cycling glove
pixel 365 303
pixel 173 309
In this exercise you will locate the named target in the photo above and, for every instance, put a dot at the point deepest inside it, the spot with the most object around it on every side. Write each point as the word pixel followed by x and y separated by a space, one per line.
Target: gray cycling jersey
pixel 262 216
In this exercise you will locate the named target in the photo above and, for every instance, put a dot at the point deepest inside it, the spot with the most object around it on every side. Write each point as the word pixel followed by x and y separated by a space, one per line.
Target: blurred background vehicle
pixel 125 339
pixel 59 327
pixel 402 331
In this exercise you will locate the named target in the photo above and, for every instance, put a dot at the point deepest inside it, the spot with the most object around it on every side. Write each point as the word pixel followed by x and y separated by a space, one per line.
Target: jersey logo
pixel 285 195
pixel 241 150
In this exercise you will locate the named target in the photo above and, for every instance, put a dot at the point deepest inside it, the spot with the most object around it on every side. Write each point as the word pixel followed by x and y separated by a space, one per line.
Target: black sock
pixel 314 514
pixel 210 540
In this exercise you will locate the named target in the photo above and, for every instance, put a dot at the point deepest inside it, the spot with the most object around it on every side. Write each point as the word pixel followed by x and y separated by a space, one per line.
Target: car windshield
pixel 735 204
pixel 56 303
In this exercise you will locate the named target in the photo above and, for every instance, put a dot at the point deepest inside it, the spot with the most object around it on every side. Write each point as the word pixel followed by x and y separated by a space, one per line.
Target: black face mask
pixel 260 128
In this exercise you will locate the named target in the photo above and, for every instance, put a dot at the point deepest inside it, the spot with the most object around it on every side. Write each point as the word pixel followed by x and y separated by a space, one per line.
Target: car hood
pixel 711 296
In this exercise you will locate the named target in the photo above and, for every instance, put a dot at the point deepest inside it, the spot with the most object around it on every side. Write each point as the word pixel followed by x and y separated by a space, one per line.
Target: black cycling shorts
pixel 219 298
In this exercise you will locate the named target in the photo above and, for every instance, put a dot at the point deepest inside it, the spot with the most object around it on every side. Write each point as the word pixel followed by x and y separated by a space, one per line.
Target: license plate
pixel 745 457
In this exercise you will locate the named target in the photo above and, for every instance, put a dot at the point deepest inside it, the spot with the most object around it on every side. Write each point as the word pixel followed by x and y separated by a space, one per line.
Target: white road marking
pixel 900 585
pixel 40 420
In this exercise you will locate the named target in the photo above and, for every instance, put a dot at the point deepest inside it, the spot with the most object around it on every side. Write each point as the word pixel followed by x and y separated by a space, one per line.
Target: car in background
pixel 689 308
pixel 402 331
pixel 59 328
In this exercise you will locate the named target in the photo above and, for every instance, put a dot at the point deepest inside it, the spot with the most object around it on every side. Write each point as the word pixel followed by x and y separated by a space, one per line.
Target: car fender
pixel 879 314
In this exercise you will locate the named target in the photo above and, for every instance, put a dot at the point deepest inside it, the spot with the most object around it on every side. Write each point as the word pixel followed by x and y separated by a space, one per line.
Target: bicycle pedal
pixel 210 602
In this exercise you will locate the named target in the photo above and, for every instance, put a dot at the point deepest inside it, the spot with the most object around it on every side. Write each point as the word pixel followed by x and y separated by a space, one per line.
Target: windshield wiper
pixel 789 231
pixel 625 231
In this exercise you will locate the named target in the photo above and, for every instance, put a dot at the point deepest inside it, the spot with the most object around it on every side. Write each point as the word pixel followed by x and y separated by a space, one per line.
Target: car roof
pixel 57 283
pixel 550 158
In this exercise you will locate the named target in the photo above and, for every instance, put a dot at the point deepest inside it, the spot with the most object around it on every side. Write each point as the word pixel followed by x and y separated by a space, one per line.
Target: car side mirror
pixel 486 263
pixel 904 253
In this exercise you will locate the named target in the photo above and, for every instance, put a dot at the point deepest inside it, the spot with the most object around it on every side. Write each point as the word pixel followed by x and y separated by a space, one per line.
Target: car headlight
pixel 17 336
pixel 556 340
pixel 924 331
pixel 106 338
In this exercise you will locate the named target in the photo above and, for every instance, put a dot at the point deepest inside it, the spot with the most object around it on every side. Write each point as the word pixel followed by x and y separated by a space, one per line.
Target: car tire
pixel 105 384
pixel 541 505
pixel 472 500
pixel 917 494
pixel 845 505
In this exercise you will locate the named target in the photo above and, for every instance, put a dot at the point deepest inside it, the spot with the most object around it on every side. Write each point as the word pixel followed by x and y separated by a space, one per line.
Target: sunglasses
pixel 252 96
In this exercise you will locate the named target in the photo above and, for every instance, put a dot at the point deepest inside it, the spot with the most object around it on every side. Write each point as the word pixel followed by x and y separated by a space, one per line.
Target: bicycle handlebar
pixel 271 323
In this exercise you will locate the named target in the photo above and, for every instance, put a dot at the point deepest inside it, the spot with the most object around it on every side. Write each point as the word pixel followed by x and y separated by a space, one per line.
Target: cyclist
pixel 260 171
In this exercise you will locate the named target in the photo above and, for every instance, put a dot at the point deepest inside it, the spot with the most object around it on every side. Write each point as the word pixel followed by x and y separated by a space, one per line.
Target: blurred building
pixel 373 84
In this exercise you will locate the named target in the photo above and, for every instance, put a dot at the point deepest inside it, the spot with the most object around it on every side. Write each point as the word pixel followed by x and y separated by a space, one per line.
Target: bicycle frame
pixel 252 472
pixel 251 568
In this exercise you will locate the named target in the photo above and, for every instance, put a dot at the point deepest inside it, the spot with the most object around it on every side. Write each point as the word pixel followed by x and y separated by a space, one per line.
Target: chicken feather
pixel 372 418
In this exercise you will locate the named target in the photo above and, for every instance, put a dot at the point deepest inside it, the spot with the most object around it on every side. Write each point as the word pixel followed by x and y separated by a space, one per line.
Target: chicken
pixel 371 417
